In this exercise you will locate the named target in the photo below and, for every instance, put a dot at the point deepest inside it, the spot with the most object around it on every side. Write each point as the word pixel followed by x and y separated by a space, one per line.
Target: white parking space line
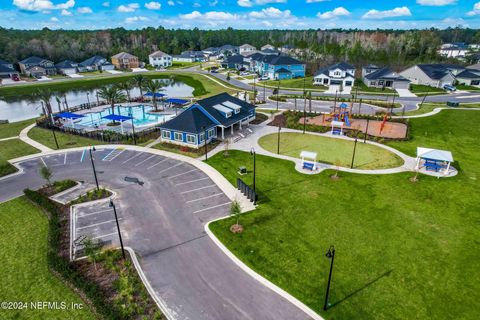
pixel 157 163
pixel 117 154
pixel 166 169
pixel 136 155
pixel 65 159
pixel 41 158
pixel 212 185
pixel 212 207
pixel 181 174
pixel 97 224
pixel 204 198
pixel 92 213
pixel 105 235
pixel 143 161
pixel 83 155
pixel 191 181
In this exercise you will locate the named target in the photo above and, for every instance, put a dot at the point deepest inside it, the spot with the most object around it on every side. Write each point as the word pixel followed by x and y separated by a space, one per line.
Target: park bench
pixel 308 166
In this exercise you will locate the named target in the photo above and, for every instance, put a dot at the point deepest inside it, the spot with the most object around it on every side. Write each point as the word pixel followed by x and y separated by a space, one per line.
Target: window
pixel 201 137
pixel 337 73
pixel 211 132
pixel 191 138
pixel 380 82
pixel 475 82
pixel 178 136
pixel 165 134
pixel 373 83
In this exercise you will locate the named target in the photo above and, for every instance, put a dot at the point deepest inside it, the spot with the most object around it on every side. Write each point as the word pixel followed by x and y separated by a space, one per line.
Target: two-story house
pixel 67 67
pixel 37 67
pixel 160 59
pixel 246 49
pixel 7 70
pixel 279 67
pixel 95 63
pixel 338 77
pixel 124 60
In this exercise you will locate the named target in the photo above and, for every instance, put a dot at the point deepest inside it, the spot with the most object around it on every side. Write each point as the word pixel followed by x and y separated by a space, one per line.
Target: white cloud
pixel 436 3
pixel 136 19
pixel 454 22
pixel 475 11
pixel 106 4
pixel 337 12
pixel 171 3
pixel 131 7
pixel 153 5
pixel 54 19
pixel 190 16
pixel 65 12
pixel 397 12
pixel 270 12
pixel 250 3
pixel 245 3
pixel 213 3
pixel 42 5
pixel 261 2
pixel 84 10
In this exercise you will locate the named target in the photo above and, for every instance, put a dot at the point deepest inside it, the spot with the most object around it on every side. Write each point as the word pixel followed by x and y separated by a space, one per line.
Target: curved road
pixel 163 221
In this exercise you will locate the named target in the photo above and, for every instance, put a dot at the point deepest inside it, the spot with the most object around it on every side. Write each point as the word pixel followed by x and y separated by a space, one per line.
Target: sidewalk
pixel 24 137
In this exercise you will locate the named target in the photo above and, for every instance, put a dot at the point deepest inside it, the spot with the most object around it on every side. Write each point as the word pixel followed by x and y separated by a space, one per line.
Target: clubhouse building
pixel 208 119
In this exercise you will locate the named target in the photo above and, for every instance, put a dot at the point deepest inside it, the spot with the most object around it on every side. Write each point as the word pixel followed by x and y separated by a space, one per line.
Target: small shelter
pixel 309 160
pixel 119 118
pixel 157 95
pixel 434 159
pixel 176 101
pixel 70 116
pixel 337 127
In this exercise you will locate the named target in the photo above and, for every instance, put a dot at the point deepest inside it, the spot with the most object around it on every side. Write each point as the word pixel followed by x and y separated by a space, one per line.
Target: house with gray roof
pixel 67 67
pixel 236 61
pixel 7 70
pixel 190 56
pixel 95 63
pixel 207 119
pixel 469 77
pixel 340 74
pixel 280 67
pixel 375 77
pixel 37 67
pixel 434 75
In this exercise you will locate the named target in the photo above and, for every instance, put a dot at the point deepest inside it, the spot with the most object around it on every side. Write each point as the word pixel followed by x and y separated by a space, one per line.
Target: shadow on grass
pixel 362 288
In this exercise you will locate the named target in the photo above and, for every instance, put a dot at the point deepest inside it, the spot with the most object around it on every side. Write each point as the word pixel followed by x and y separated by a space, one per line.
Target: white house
pixel 338 77
pixel 434 75
pixel 469 77
pixel 267 46
pixel 246 49
pixel 160 59
pixel 376 77
pixel 454 50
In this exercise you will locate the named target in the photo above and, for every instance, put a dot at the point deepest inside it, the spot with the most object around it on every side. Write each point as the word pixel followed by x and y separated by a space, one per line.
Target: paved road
pixel 163 221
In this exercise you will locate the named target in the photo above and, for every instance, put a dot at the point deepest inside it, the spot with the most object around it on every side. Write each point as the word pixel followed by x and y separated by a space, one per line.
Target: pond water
pixel 27 108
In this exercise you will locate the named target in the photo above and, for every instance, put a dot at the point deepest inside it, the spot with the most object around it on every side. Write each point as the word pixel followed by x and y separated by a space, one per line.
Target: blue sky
pixel 244 14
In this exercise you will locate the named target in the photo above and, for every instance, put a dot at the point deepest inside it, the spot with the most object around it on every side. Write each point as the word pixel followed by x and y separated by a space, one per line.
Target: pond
pixel 26 107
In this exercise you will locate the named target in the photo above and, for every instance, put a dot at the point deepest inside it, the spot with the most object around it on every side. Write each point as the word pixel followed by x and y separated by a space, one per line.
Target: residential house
pixel 469 77
pixel 124 60
pixel 254 61
pixel 190 56
pixel 270 52
pixel 160 59
pixel 454 50
pixel 95 63
pixel 435 75
pixel 286 48
pixel 228 50
pixel 384 78
pixel 7 70
pixel 246 49
pixel 267 46
pixel 338 75
pixel 37 67
pixel 281 67
pixel 235 62
pixel 369 68
pixel 67 67
pixel 206 119
pixel 211 52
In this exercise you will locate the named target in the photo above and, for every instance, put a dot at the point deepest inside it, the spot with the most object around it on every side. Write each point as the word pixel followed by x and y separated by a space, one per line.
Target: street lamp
pixel 278 139
pixel 133 129
pixel 88 99
pixel 205 142
pixel 254 154
pixel 354 149
pixel 254 89
pixel 112 205
pixel 93 166
pixel 330 255
pixel 278 91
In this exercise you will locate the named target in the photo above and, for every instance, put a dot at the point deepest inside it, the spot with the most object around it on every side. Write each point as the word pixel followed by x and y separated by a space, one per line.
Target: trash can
pixel 453 103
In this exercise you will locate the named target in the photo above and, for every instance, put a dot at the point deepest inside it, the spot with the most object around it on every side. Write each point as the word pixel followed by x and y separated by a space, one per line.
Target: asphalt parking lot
pixel 162 206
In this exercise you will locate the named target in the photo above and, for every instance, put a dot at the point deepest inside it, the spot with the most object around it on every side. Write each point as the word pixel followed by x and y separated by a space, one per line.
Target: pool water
pixel 141 114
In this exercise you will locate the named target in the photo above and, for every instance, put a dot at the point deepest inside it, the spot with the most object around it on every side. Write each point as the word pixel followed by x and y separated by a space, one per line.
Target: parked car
pixel 245 73
pixel 449 87
pixel 15 77
pixel 264 78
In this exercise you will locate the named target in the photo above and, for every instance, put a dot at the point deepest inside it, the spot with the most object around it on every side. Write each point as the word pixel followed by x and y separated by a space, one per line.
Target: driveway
pixel 163 221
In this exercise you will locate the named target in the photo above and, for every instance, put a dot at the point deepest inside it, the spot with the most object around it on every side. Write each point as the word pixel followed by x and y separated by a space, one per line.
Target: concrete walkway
pixel 24 137
pixel 434 112
pixel 9 138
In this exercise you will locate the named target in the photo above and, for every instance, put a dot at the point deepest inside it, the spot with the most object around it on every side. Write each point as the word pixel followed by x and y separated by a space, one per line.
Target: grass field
pixel 25 275
pixel 467 88
pixel 427 107
pixel 420 88
pixel 403 250
pixel 13 129
pixel 65 140
pixel 332 151
pixel 362 87
pixel 293 84
pixel 11 149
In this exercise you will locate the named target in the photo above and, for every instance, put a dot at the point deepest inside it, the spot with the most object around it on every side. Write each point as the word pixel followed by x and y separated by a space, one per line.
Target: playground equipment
pixel 342 115
pixel 337 127
pixel 385 117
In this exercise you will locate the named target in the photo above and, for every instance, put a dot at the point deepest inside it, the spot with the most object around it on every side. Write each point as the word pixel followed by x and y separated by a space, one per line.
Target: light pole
pixel 330 255
pixel 133 130
pixel 205 143
pixel 112 205
pixel 88 99
pixel 254 89
pixel 278 139
pixel 278 91
pixel 93 166
pixel 304 115
pixel 366 132
pixel 254 154
pixel 354 150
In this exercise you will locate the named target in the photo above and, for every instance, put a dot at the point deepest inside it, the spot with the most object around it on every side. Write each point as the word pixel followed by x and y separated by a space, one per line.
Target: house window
pixel 380 82
pixel 475 82
pixel 201 137
pixel 211 132
pixel 191 138
pixel 373 83
pixel 178 136
pixel 337 73
pixel 165 134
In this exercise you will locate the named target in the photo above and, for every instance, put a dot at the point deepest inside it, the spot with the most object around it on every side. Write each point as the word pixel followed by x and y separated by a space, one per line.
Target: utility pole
pixel 112 205
pixel 354 150
pixel 93 166
pixel 330 255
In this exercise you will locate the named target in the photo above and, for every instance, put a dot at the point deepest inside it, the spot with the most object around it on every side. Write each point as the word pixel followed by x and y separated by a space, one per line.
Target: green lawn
pixel 183 65
pixel 11 149
pixel 362 87
pixel 293 84
pixel 403 250
pixel 13 129
pixel 427 107
pixel 25 274
pixel 420 88
pixel 65 140
pixel 467 88
pixel 331 150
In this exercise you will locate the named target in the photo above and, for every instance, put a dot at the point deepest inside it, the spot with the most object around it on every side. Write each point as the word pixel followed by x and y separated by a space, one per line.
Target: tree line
pixel 397 48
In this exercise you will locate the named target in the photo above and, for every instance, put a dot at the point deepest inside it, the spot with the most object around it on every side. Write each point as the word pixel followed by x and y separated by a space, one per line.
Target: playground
pixel 340 119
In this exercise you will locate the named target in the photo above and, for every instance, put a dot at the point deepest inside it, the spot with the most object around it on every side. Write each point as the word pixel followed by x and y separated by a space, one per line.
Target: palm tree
pixel 139 80
pixel 126 86
pixel 59 102
pixel 111 94
pixel 45 95
pixel 153 87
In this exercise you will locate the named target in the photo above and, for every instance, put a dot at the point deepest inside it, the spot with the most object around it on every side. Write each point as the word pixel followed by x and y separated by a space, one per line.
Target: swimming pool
pixel 141 114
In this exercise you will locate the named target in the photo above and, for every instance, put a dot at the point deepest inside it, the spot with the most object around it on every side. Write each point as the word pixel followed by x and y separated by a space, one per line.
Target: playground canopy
pixel 71 116
pixel 343 105
pixel 434 155
pixel 176 101
pixel 157 95
pixel 119 118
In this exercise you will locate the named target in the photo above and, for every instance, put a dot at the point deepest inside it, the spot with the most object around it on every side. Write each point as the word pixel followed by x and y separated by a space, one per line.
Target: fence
pixel 246 190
